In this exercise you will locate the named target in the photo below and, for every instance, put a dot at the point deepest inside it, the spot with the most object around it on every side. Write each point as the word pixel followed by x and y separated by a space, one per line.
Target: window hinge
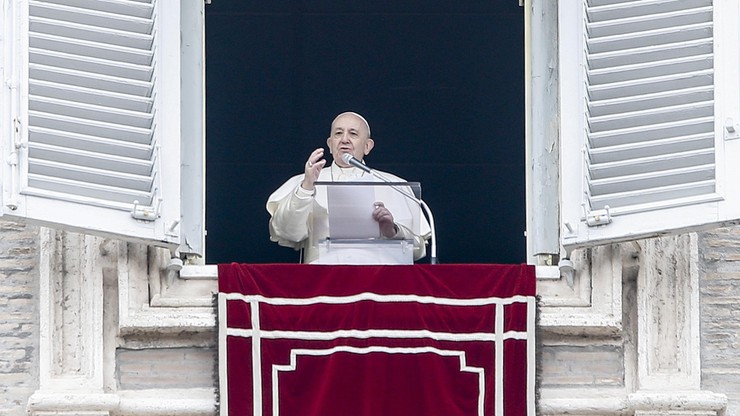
pixel 598 217
pixel 13 160
pixel 145 213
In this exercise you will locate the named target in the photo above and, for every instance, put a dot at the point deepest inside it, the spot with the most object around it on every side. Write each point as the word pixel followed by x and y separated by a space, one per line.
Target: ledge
pixel 199 272
pixel 555 401
pixel 159 402
pixel 210 272
pixel 700 400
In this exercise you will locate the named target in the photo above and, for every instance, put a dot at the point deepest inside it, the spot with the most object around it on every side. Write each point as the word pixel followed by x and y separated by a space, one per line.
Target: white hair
pixel 358 116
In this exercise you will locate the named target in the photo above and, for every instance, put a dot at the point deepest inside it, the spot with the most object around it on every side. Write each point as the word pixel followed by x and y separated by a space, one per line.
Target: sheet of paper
pixel 351 212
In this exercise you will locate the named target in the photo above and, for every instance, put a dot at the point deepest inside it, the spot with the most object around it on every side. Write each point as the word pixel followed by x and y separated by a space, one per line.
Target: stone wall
pixel 719 259
pixel 584 366
pixel 19 320
pixel 165 368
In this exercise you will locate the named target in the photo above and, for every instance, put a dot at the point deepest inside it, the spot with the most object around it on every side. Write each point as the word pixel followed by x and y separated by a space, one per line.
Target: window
pixel 93 127
pixel 649 118
pixel 99 136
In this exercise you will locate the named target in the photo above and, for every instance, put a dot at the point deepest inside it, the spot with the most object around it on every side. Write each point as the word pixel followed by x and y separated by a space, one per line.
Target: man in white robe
pixel 298 211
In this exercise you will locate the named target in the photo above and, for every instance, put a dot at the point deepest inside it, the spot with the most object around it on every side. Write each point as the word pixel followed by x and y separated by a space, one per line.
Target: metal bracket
pixel 14 161
pixel 145 213
pixel 599 217
pixel 731 129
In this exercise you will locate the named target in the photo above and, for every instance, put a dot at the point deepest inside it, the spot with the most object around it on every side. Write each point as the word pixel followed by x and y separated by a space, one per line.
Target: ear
pixel 328 144
pixel 369 144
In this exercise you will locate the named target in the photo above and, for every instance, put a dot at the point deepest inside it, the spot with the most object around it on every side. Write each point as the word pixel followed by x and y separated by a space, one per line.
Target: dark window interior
pixel 441 83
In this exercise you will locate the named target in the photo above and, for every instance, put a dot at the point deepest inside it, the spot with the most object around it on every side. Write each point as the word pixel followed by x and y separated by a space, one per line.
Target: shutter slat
pixel 650 69
pixel 649 22
pixel 90 33
pixel 91 65
pixel 619 10
pixel 101 51
pixel 665 195
pixel 90 96
pixel 663 36
pixel 121 7
pixel 640 118
pixel 91 112
pixel 652 132
pixel 74 141
pixel 651 85
pixel 96 81
pixel 651 148
pixel 89 190
pixel 90 127
pixel 106 162
pixel 650 54
pixel 650 101
pixel 652 180
pixel 657 163
pixel 91 18
pixel 91 175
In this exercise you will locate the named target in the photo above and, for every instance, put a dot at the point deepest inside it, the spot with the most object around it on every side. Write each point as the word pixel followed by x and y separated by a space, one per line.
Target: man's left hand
pixel 385 220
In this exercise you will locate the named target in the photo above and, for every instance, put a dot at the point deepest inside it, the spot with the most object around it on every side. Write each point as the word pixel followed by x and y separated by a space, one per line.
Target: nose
pixel 344 138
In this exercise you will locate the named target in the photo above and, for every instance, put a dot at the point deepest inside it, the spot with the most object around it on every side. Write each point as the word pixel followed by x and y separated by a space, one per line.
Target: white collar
pixel 340 173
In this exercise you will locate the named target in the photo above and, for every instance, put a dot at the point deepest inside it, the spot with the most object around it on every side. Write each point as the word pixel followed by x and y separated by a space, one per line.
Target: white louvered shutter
pixel 649 113
pixel 96 99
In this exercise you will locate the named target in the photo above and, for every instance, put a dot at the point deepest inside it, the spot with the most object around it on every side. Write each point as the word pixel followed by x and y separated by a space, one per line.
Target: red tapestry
pixel 431 340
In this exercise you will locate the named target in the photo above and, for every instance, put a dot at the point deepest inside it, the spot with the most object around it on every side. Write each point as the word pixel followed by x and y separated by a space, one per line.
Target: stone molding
pixel 592 304
pixel 70 312
pixel 172 305
pixel 79 277
pixel 160 402
pixel 662 362
pixel 668 340
pixel 607 402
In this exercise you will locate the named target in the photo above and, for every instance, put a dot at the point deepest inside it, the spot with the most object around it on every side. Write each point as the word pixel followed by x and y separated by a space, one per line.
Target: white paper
pixel 351 212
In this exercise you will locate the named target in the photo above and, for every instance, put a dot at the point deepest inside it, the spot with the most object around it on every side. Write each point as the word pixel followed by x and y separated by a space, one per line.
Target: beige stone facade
pixel 101 327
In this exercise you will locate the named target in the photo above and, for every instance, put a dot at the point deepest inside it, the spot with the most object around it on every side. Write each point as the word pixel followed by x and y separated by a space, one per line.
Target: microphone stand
pixel 422 204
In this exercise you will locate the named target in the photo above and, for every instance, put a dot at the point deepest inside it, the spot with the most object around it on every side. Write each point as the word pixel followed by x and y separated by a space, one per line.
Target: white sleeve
pixel 290 208
pixel 420 246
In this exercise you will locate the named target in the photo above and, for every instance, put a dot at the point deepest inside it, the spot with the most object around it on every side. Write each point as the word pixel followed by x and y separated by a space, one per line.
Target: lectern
pixel 344 231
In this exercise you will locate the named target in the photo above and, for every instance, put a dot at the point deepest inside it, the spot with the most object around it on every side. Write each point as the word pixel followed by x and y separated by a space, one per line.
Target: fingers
pixel 315 157
pixel 315 163
pixel 381 214
pixel 313 167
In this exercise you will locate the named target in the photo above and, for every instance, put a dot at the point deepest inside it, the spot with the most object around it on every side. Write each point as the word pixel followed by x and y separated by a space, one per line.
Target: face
pixel 349 134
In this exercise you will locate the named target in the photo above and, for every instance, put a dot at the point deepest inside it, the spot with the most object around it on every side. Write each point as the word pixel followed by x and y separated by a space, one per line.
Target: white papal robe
pixel 300 217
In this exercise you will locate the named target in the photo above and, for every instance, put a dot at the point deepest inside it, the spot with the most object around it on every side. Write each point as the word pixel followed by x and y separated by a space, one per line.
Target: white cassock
pixel 300 217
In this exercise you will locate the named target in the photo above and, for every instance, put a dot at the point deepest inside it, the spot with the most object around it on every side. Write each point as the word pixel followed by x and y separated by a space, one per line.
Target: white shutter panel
pixel 99 105
pixel 646 89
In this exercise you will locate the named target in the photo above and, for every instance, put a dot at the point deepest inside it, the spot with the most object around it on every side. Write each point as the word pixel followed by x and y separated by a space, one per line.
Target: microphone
pixel 351 160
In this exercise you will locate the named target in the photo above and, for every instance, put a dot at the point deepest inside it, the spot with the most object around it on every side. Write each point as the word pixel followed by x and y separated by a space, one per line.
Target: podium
pixel 344 231
pixel 365 252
